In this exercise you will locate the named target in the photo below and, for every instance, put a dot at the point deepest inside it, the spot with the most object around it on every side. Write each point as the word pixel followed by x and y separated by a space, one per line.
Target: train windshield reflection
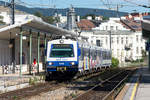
pixel 62 50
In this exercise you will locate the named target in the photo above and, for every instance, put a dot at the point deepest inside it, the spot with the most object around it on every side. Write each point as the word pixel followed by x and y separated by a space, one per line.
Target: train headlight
pixel 50 63
pixel 61 41
pixel 72 63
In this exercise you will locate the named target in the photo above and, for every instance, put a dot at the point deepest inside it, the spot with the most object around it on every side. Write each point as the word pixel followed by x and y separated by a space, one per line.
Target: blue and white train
pixel 69 57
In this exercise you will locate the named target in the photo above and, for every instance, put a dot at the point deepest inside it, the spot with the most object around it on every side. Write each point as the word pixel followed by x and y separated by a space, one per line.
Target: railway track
pixel 107 89
pixel 34 90
pixel 51 86
pixel 31 91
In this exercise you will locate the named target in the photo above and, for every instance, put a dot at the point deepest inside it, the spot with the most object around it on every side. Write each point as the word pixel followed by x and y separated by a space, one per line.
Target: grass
pixel 14 97
pixel 73 95
pixel 33 81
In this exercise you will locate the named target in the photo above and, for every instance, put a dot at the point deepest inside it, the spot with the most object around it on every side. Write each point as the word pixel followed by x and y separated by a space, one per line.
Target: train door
pixel 98 58
pixel 81 59
pixel 86 58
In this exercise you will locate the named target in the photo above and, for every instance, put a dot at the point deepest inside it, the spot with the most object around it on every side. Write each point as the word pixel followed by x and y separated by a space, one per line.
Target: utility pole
pixel 117 10
pixel 110 45
pixel 12 6
pixel 110 38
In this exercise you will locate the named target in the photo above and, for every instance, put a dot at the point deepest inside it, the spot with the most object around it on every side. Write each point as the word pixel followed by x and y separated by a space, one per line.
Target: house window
pixel 106 40
pixel 98 43
pixel 141 38
pixel 111 27
pixel 137 39
pixel 122 40
pixel 137 50
pixel 112 40
pixel 126 40
pixel 116 27
pixel 106 27
pixel 117 40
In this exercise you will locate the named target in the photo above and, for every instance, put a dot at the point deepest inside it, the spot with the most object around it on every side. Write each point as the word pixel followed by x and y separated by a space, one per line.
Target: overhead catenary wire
pixel 145 6
pixel 20 2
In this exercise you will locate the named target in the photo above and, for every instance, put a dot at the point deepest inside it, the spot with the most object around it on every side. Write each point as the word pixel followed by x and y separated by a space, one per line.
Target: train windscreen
pixel 62 50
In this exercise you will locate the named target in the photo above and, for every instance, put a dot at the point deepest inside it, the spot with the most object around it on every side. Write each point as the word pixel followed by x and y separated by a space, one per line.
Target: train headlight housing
pixel 61 41
pixel 50 63
pixel 72 63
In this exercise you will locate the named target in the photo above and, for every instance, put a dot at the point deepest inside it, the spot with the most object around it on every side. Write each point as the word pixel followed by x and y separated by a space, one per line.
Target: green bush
pixel 138 60
pixel 142 60
pixel 115 62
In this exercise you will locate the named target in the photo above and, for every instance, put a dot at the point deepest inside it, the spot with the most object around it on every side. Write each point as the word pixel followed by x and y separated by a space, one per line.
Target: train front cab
pixel 62 58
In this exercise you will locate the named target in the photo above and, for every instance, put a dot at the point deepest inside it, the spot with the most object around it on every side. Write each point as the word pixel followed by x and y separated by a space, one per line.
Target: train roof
pixel 82 43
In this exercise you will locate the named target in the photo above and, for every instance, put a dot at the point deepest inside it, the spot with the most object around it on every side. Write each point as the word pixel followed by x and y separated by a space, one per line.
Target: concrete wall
pixel 5 52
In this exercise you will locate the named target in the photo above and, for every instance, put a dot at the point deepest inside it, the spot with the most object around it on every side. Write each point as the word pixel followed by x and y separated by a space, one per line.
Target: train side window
pixel 95 54
pixel 103 54
pixel 92 54
pixel 99 53
pixel 87 52
pixel 91 57
pixel 107 55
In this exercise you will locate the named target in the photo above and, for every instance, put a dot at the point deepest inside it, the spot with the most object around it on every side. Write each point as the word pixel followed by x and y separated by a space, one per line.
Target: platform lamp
pixel 10 42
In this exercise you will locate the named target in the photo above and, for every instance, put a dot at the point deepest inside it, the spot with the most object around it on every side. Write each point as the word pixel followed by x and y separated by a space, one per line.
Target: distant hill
pixel 79 11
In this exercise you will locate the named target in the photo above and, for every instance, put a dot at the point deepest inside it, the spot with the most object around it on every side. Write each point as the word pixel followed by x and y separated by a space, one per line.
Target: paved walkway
pixel 143 91
pixel 9 82
pixel 139 86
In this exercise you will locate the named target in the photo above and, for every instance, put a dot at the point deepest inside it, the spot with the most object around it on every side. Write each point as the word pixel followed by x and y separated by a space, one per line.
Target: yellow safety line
pixel 135 88
pixel 134 91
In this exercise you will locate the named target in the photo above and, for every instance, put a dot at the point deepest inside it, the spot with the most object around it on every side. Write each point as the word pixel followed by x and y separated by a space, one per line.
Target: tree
pixel 48 19
pixel 1 17
pixel 1 22
pixel 143 53
pixel 38 14
pixel 115 62
pixel 105 18
pixel 84 17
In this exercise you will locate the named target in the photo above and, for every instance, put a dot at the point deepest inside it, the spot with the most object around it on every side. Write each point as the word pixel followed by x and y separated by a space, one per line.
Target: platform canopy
pixel 146 34
pixel 37 25
pixel 146 27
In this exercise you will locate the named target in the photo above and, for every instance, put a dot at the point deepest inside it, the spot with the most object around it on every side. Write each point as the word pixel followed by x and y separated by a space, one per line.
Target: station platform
pixel 138 88
pixel 10 82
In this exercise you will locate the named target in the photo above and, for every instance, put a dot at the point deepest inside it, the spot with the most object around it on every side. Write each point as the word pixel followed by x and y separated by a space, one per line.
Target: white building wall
pixel 112 24
pixel 6 17
pixel 63 19
pixel 18 17
pixel 5 53
pixel 118 43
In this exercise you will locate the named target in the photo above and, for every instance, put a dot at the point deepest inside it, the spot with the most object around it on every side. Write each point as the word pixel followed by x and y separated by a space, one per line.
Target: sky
pixel 126 6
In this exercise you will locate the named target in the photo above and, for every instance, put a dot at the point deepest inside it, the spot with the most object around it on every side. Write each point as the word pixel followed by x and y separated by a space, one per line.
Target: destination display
pixel 61 45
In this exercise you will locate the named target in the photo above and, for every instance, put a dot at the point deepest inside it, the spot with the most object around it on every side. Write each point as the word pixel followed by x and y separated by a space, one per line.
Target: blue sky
pixel 89 4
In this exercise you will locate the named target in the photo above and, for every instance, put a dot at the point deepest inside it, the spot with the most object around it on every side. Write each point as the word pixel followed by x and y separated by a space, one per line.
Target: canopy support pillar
pixel 30 52
pixel 20 52
pixel 38 52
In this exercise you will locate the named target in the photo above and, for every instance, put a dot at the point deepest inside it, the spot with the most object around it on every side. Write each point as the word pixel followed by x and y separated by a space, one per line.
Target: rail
pixel 106 95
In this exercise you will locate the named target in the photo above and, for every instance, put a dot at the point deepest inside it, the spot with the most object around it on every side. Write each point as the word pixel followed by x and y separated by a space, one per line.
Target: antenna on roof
pixel 71 6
